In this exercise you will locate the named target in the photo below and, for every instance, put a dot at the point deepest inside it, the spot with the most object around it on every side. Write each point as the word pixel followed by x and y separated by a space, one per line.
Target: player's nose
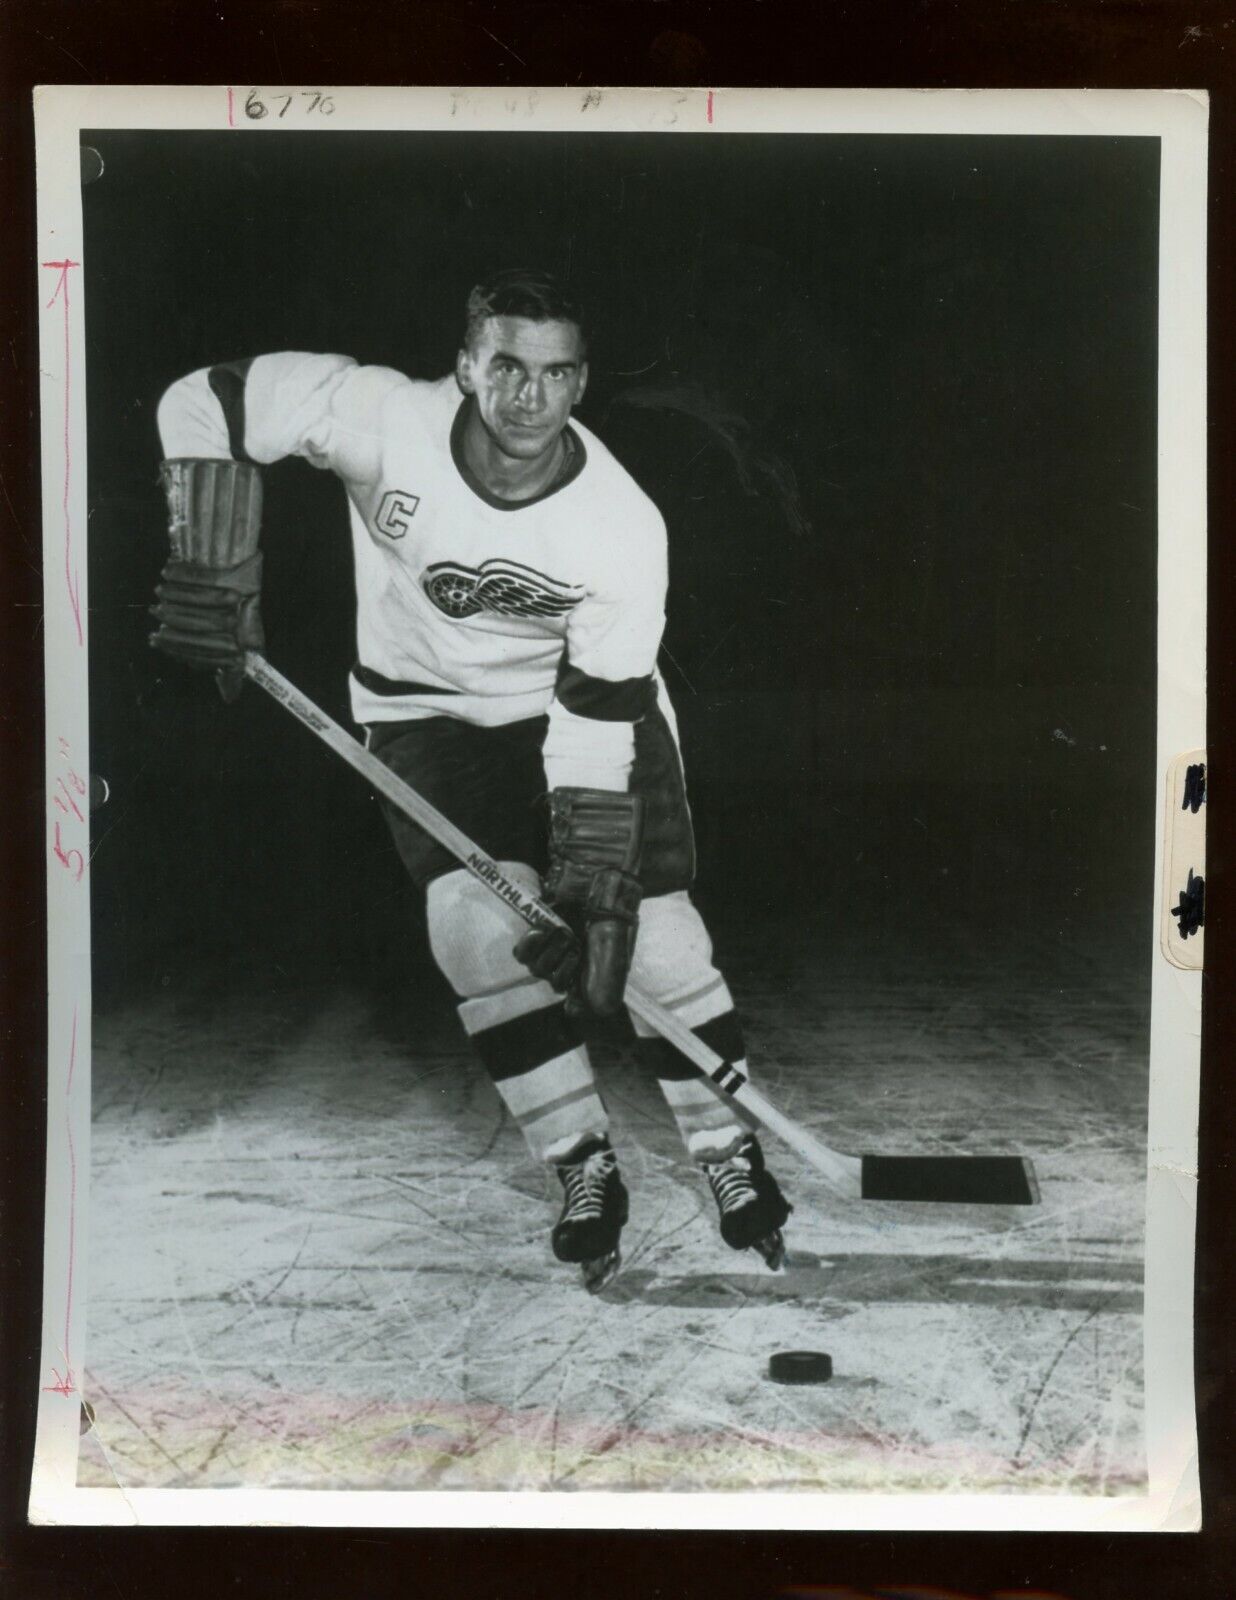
pixel 531 397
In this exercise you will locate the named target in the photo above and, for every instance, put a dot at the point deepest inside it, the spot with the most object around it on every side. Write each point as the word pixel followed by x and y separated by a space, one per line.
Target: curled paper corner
pixel 1184 1509
pixel 96 1470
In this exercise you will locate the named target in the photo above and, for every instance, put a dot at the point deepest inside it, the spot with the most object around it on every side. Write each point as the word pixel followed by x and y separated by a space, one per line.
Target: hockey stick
pixel 986 1180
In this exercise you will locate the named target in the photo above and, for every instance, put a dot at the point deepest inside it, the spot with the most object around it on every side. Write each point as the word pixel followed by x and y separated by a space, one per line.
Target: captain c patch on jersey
pixel 396 512
pixel 503 587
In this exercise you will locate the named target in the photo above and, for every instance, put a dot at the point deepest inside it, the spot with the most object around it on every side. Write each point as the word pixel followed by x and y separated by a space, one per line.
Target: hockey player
pixel 510 582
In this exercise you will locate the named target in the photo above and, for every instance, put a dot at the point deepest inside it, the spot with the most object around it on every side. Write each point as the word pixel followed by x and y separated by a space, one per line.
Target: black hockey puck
pixel 800 1366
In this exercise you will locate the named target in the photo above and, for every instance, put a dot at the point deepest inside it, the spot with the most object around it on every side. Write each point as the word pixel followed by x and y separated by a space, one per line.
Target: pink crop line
pixel 72 582
pixel 710 105
pixel 231 119
pixel 65 1384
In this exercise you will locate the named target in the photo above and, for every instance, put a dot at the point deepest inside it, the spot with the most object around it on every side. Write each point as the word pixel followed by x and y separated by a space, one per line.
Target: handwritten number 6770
pixel 256 108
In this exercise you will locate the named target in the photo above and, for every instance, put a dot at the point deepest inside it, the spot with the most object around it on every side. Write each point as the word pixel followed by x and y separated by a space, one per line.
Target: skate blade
pixel 600 1270
pixel 772 1249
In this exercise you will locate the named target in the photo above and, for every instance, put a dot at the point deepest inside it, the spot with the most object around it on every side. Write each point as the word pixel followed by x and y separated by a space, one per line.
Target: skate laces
pixel 585 1183
pixel 732 1181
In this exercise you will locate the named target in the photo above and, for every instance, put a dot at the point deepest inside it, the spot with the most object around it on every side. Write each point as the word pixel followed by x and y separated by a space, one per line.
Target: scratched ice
pixel 319 1252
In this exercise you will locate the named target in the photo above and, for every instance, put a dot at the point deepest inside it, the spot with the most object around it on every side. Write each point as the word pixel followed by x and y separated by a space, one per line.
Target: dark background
pixel 896 398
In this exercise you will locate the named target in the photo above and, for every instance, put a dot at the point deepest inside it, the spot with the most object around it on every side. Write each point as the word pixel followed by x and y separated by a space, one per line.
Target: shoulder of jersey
pixel 430 398
pixel 388 386
pixel 613 486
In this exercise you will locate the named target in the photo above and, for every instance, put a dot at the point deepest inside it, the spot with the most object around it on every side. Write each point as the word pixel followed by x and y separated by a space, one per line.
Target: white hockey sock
pixel 673 963
pixel 710 1127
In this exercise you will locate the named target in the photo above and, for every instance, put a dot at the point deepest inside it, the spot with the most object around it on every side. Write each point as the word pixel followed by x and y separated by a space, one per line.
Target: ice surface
pixel 319 1251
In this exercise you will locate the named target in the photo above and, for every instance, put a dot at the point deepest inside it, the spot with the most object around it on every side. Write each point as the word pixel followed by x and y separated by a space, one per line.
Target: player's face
pixel 525 376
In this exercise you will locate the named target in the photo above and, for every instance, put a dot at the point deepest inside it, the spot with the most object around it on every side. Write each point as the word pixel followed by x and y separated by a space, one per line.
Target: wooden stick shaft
pixel 843 1172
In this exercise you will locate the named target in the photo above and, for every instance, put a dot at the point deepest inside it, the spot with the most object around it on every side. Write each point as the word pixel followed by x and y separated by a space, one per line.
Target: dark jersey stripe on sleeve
pixel 228 385
pixel 604 699
pixel 377 684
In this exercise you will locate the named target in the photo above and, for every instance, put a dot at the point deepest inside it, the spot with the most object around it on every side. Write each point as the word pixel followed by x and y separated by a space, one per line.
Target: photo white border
pixel 1179 119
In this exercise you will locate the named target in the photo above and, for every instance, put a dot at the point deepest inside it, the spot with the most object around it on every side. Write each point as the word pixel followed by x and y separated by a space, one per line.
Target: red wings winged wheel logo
pixel 504 587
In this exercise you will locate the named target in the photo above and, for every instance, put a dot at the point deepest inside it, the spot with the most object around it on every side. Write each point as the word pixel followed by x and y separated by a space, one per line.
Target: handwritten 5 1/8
pixel 256 108
pixel 72 860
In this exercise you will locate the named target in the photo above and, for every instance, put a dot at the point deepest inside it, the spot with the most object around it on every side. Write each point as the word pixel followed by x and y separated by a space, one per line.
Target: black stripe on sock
pixel 722 1034
pixel 509 1049
pixel 227 383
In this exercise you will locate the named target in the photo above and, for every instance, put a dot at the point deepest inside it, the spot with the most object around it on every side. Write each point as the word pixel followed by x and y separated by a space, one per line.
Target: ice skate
pixel 750 1204
pixel 594 1210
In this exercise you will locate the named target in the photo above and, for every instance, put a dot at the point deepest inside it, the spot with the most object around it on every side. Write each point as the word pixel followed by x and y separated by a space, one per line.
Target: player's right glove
pixel 209 591
pixel 595 839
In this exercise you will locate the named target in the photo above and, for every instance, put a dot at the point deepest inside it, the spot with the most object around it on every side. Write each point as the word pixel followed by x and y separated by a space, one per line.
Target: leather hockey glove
pixel 595 838
pixel 209 591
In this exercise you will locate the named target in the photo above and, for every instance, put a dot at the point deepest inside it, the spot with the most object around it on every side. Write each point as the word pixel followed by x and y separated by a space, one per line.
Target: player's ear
pixel 581 381
pixel 463 372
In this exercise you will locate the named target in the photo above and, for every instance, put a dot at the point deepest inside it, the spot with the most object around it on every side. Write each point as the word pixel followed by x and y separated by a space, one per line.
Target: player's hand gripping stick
pixel 595 837
pixel 984 1180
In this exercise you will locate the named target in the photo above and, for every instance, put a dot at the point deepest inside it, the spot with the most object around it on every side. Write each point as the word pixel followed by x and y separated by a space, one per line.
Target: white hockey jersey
pixel 467 605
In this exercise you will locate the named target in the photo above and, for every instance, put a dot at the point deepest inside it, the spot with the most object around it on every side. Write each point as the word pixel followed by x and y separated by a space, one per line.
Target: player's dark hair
pixel 522 292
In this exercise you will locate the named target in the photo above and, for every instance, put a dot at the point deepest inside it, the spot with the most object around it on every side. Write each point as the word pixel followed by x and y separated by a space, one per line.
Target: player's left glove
pixel 595 838
pixel 209 592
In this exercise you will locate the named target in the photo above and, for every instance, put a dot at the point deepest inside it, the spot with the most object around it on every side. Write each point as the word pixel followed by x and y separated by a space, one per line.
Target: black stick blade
pixel 956 1180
